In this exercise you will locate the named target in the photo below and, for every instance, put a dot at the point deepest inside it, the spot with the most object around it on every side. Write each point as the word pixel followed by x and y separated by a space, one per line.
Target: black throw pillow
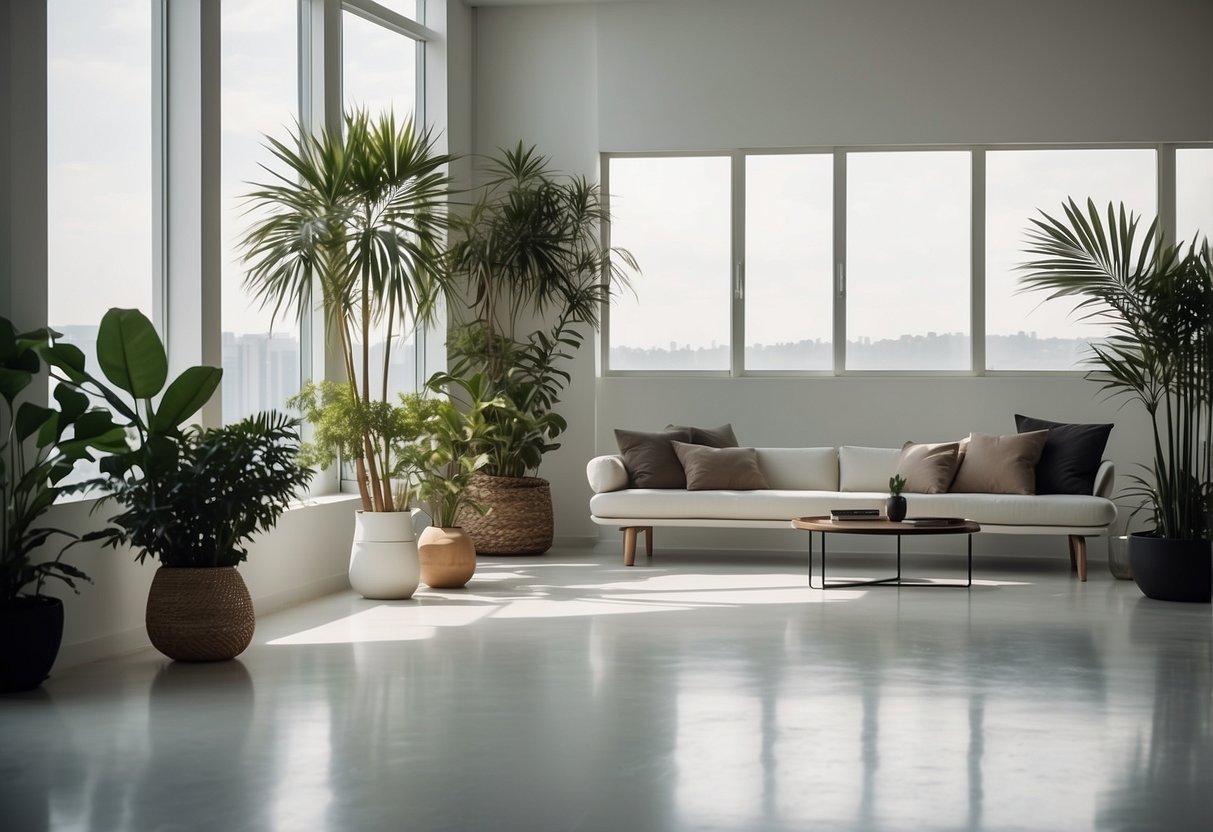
pixel 1071 455
pixel 650 459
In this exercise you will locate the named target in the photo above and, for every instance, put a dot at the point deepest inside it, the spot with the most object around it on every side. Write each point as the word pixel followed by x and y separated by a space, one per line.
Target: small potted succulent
pixel 895 505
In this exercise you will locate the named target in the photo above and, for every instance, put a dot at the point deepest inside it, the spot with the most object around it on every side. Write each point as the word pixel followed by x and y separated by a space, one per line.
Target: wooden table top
pixel 882 526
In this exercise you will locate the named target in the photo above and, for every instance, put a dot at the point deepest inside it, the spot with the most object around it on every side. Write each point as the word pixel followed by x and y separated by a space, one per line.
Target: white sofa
pixel 811 481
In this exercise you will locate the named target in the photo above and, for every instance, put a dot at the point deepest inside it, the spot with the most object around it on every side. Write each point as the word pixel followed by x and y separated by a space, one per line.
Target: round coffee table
pixel 824 526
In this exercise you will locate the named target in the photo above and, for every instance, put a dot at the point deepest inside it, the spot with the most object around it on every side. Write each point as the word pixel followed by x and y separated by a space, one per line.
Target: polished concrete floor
pixel 693 693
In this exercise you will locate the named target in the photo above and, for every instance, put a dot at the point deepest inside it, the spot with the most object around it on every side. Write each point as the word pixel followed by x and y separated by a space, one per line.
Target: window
pixel 259 95
pixel 379 75
pixel 673 214
pixel 99 163
pixel 1022 332
pixel 789 255
pixel 902 283
pixel 907 274
pixel 1194 193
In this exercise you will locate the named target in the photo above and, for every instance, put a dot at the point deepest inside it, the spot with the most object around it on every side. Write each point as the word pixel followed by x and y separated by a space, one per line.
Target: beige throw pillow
pixel 928 468
pixel 1000 464
pixel 735 469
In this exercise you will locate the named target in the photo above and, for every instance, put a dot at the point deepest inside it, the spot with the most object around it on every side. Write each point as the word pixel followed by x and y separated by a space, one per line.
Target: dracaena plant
pixel 189 497
pixel 529 246
pixel 1156 299
pixel 355 219
pixel 39 448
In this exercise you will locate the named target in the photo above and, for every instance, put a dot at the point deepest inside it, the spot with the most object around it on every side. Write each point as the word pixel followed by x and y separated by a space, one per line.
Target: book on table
pixel 934 521
pixel 855 514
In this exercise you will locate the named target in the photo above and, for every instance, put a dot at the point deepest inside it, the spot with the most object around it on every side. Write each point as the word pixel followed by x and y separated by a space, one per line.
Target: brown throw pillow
pixel 1001 464
pixel 649 459
pixel 721 437
pixel 735 469
pixel 928 467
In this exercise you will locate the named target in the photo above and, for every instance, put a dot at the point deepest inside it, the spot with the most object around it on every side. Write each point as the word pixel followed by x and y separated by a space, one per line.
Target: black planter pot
pixel 1172 570
pixel 895 508
pixel 30 632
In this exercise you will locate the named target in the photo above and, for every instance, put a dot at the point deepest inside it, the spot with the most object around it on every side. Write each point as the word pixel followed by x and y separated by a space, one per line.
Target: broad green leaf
pixel 131 354
pixel 30 418
pixel 12 382
pixel 71 402
pixel 188 392
pixel 68 358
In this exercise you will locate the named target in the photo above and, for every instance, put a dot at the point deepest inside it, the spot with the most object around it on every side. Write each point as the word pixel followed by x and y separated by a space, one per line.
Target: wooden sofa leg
pixel 648 542
pixel 629 545
pixel 1073 555
pixel 1078 555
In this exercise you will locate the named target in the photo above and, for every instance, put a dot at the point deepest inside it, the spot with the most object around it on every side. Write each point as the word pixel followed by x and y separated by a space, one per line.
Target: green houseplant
pixel 529 248
pixel 895 505
pixel 39 448
pixel 443 462
pixel 1157 300
pixel 355 220
pixel 189 497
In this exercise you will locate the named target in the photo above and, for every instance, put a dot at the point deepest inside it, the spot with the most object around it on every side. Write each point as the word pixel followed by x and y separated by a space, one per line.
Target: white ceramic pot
pixel 383 560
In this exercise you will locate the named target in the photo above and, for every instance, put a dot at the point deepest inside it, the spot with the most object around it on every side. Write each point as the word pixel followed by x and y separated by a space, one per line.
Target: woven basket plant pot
pixel 520 518
pixel 199 615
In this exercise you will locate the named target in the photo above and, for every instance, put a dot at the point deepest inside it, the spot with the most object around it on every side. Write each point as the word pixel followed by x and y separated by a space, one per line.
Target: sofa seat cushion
pixel 771 504
pixel 1074 510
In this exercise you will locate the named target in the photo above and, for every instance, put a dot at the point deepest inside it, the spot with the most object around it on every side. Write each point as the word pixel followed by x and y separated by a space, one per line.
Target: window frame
pixel 1165 184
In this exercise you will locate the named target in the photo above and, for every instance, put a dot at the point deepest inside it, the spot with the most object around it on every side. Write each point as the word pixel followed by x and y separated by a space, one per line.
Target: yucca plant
pixel 1156 299
pixel 356 218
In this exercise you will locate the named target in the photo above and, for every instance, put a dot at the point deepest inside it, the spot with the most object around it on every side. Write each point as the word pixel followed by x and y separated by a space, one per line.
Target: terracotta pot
pixel 31 630
pixel 383 558
pixel 199 614
pixel 448 558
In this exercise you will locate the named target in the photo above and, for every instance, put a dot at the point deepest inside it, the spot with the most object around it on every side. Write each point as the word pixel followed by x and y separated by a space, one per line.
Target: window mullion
pixel 737 295
pixel 977 255
pixel 840 261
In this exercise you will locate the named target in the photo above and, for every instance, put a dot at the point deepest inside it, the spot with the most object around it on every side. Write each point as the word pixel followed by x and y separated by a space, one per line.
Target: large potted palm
pixel 529 248
pixel 355 221
pixel 1157 300
pixel 39 448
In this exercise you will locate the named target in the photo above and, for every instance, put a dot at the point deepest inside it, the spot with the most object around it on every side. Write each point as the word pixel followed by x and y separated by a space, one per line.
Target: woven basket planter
pixel 199 615
pixel 520 519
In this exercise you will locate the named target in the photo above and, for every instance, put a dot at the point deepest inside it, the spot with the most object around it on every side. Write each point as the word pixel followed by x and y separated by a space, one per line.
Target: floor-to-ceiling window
pixel 99 162
pixel 259 94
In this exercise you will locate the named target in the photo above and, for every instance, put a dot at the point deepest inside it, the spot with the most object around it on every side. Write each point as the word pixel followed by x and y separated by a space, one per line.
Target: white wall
pixel 716 74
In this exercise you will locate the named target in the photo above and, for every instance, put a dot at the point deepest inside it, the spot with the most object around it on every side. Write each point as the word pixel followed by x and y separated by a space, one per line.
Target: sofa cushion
pixel 606 473
pixel 928 468
pixel 1000 464
pixel 1071 455
pixel 721 437
pixel 719 468
pixel 650 459
pixel 809 469
pixel 866 469
pixel 1062 510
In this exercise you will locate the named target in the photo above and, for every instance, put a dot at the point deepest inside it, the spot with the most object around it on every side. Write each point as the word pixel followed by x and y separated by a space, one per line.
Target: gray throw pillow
pixel 1000 464
pixel 1071 457
pixel 928 468
pixel 734 469
pixel 649 458
pixel 721 437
